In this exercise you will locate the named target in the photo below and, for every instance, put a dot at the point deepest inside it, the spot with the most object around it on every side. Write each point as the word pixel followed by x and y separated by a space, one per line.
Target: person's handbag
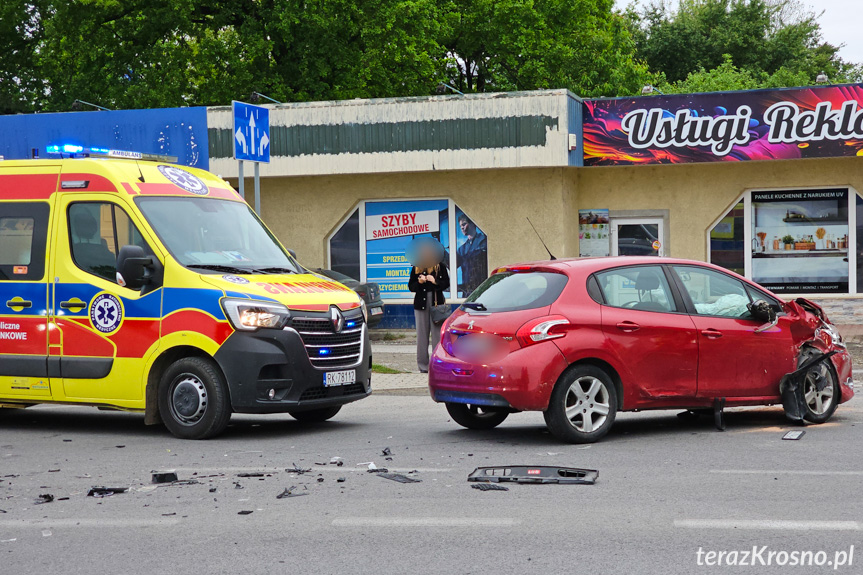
pixel 439 313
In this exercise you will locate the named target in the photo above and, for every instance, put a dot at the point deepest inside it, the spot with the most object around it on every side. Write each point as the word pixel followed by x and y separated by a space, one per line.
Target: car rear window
pixel 511 291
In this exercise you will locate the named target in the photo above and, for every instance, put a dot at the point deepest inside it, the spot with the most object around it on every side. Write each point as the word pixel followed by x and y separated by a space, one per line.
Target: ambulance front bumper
pixel 269 371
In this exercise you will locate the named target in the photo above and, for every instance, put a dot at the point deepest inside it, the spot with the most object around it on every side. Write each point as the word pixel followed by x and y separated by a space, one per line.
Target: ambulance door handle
pixel 73 305
pixel 22 303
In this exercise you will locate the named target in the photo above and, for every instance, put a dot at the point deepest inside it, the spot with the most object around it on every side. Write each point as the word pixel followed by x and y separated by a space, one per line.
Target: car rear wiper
pixel 474 305
pixel 219 268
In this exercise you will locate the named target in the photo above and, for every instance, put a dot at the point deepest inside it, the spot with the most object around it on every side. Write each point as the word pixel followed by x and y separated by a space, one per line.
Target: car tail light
pixel 362 294
pixel 542 329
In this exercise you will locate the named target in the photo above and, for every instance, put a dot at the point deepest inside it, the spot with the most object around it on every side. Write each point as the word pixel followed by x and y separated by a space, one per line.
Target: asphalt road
pixel 667 488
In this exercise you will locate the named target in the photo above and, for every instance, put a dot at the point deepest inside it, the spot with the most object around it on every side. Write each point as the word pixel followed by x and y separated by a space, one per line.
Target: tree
pixel 774 41
pixel 20 34
pixel 504 45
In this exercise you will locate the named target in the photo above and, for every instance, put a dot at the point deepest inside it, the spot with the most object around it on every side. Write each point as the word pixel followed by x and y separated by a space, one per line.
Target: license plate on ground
pixel 335 378
pixel 376 311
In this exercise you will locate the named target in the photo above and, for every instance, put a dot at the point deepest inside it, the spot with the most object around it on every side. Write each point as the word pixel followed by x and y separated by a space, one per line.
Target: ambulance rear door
pixel 26 199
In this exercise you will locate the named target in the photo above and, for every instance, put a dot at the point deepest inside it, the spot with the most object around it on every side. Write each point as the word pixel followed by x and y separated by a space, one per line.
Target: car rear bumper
pixel 256 362
pixel 523 380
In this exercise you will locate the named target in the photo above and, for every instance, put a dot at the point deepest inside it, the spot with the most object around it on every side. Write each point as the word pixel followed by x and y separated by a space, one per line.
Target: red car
pixel 582 339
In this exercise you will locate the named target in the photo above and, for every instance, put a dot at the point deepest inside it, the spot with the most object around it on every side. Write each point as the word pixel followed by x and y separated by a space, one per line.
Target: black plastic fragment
pixel 298 470
pixel 534 474
pixel 341 480
pixel 164 476
pixel 489 487
pixel 794 435
pixel 378 470
pixel 252 474
pixel 245 512
pixel 791 388
pixel 44 498
pixel 105 491
pixel 387 451
pixel 399 477
pixel 719 413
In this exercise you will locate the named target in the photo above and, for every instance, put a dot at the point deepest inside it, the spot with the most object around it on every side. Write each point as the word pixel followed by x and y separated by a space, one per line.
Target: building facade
pixel 765 183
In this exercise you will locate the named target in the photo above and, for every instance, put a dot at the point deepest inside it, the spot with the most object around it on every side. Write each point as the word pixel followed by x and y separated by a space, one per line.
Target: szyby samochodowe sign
pixel 813 122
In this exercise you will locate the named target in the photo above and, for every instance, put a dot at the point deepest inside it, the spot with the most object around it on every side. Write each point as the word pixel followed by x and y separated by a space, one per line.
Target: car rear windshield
pixel 511 291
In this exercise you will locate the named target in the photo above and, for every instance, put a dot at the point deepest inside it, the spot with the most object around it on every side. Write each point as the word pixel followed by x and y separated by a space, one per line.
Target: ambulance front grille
pixel 327 349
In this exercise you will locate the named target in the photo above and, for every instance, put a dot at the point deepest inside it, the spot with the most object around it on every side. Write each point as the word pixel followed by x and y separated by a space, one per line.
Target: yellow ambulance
pixel 151 287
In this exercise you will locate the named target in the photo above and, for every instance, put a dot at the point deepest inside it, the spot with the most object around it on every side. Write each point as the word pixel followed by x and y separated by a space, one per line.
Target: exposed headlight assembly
pixel 250 315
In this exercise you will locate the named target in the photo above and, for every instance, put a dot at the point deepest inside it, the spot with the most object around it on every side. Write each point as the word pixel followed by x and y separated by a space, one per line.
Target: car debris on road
pixel 534 474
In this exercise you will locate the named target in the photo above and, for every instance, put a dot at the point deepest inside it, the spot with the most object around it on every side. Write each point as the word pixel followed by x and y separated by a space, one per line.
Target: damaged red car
pixel 582 339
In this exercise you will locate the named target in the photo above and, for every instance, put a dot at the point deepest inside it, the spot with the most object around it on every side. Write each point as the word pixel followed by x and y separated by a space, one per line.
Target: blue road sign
pixel 251 132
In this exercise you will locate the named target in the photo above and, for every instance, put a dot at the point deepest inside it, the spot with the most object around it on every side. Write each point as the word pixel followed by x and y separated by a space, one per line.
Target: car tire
pixel 475 416
pixel 193 399
pixel 583 405
pixel 820 405
pixel 316 415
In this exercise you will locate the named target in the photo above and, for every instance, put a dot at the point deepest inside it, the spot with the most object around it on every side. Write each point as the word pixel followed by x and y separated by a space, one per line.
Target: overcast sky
pixel 840 23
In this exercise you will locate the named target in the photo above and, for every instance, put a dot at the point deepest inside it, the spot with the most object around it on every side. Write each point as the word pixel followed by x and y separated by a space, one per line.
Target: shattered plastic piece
pixel 320 479
pixel 2 511
pixel 489 487
pixel 794 435
pixel 253 474
pixel 341 479
pixel 399 477
pixel 168 514
pixel 289 492
pixel 336 461
pixel 44 498
pixel 386 451
pixel 237 485
pixel 298 470
pixel 164 476
pixel 212 489
pixel 719 413
pixel 534 474
pixel 245 512
pixel 53 470
pixel 46 533
pixel 791 388
pixel 378 470
pixel 105 491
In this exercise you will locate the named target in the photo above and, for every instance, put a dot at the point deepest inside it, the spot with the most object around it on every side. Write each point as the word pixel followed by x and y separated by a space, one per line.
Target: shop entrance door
pixel 637 237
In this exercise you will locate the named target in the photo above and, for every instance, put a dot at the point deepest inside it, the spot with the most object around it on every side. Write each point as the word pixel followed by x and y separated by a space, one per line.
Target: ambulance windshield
pixel 216 235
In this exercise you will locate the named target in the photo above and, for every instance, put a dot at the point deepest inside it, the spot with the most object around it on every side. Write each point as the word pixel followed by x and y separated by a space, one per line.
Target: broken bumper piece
pixel 534 474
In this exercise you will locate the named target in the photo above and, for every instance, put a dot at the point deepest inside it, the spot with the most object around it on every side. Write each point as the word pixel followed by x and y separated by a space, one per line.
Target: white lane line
pixel 767 524
pixel 227 472
pixel 784 472
pixel 424 522
pixel 9 523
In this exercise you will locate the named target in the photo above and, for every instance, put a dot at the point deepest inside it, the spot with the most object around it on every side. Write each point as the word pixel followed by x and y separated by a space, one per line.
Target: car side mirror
pixel 134 267
pixel 763 311
pixel 293 253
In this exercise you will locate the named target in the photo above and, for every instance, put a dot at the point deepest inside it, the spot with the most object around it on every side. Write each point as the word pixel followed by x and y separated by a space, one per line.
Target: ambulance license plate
pixel 336 378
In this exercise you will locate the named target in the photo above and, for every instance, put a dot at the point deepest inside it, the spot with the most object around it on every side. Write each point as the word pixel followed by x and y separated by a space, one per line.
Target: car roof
pixel 594 264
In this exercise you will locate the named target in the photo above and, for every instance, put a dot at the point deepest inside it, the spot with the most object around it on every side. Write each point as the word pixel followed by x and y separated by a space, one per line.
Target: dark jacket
pixel 421 289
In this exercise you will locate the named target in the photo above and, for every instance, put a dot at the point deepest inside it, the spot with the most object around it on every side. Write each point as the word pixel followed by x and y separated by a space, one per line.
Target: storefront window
pixel 345 247
pixel 800 240
pixel 388 228
pixel 726 240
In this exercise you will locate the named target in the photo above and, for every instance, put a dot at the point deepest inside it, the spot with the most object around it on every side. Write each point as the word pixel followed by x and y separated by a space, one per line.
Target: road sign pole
pixel 258 188
pixel 242 181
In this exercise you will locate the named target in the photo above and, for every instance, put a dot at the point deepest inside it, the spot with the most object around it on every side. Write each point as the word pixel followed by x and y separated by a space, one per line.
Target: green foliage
pixel 735 44
pixel 154 53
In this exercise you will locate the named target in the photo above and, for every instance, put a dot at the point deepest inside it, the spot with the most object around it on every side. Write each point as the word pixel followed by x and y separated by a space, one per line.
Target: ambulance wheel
pixel 193 399
pixel 316 415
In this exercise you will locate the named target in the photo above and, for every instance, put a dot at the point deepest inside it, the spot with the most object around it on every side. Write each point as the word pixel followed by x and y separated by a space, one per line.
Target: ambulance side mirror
pixel 134 267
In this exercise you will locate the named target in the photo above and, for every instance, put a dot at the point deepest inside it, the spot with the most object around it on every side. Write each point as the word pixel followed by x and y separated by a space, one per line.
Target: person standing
pixel 428 285
pixel 471 256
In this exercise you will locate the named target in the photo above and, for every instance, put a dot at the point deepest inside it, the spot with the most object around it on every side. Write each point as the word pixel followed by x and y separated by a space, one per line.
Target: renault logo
pixel 337 319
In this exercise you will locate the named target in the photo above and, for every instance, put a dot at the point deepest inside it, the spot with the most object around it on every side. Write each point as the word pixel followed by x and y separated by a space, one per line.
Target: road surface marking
pixel 10 523
pixel 767 524
pixel 424 522
pixel 784 472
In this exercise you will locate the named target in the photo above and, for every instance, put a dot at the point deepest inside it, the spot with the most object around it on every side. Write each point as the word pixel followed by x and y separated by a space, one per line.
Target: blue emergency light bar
pixel 76 151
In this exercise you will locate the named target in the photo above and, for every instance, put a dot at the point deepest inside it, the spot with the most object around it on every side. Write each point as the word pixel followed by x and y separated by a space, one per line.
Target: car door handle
pixel 711 333
pixel 628 326
pixel 22 303
pixel 72 304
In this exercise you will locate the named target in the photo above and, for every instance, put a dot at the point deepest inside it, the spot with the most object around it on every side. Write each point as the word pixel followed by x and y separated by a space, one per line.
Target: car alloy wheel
pixel 818 400
pixel 587 403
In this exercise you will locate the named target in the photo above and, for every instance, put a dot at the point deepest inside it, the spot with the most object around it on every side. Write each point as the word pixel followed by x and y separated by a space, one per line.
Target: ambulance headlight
pixel 249 315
